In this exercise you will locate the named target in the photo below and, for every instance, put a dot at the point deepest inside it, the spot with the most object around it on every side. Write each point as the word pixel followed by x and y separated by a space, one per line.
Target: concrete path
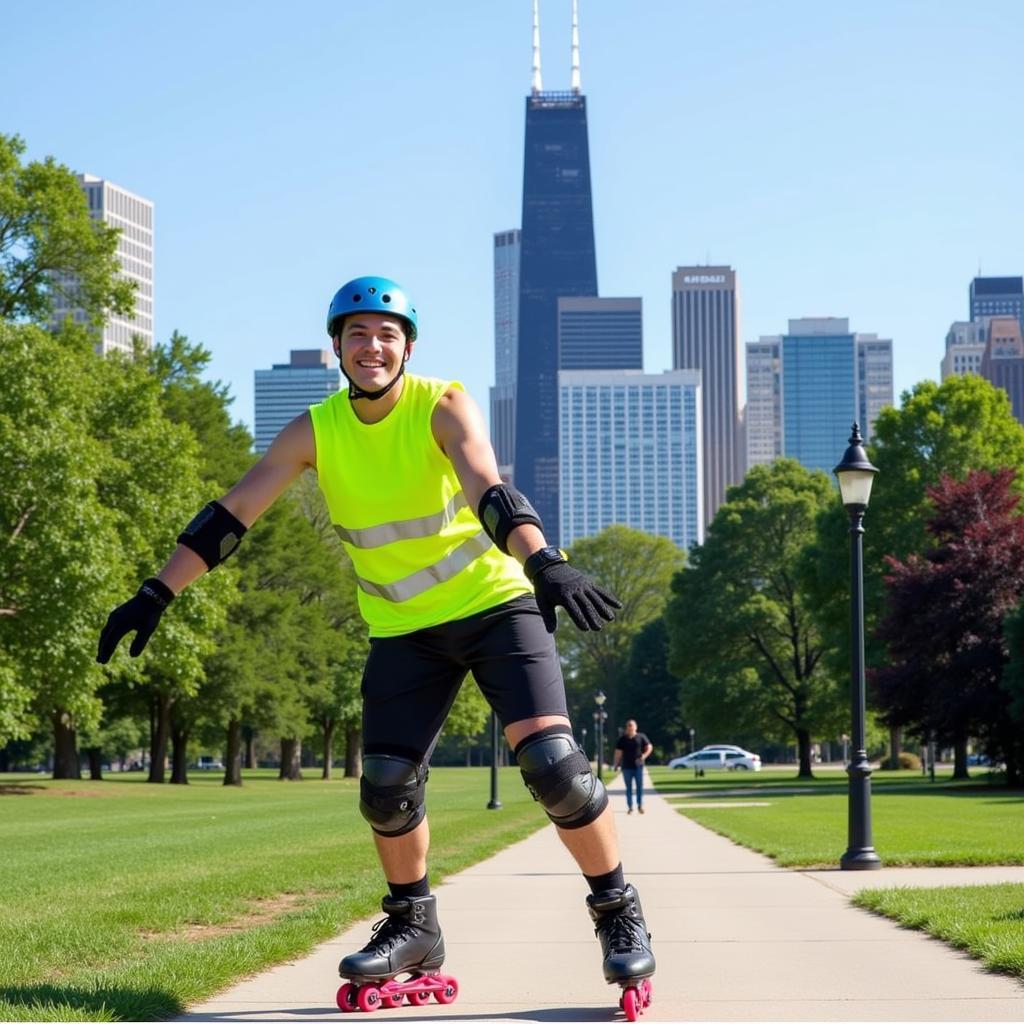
pixel 736 938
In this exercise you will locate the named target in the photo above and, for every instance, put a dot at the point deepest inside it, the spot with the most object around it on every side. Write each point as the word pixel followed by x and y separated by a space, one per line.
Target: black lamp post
pixel 494 803
pixel 600 715
pixel 855 474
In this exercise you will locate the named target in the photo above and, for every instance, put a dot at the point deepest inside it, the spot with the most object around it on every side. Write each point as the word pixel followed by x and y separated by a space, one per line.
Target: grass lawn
pixel 985 920
pixel 127 901
pixel 804 824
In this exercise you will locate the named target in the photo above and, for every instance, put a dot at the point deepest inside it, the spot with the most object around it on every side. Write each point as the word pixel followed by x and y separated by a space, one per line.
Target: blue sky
pixel 848 160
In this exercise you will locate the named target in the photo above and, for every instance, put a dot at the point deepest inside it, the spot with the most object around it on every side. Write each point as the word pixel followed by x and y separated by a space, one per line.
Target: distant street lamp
pixel 692 747
pixel 494 803
pixel 600 716
pixel 856 474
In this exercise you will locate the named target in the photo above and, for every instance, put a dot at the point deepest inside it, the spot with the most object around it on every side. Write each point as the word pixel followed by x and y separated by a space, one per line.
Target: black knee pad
pixel 391 793
pixel 557 773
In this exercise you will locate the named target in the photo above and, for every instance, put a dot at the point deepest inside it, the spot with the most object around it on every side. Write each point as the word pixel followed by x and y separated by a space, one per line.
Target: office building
pixel 557 259
pixel 997 296
pixel 806 387
pixel 507 246
pixel 764 400
pixel 288 389
pixel 965 345
pixel 630 453
pixel 131 213
pixel 706 337
pixel 1003 362
pixel 600 334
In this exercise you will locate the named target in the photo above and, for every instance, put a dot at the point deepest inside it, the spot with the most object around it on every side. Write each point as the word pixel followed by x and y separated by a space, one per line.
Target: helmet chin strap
pixel 355 391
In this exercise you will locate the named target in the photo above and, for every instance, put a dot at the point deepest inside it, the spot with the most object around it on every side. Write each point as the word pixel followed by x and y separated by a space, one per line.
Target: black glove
pixel 142 614
pixel 589 606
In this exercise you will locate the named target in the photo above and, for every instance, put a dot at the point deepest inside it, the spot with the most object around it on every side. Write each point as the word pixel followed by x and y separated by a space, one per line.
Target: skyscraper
pixel 965 345
pixel 506 346
pixel 1003 361
pixel 557 259
pixel 807 386
pixel 122 209
pixel 630 453
pixel 600 334
pixel 706 337
pixel 764 400
pixel 997 296
pixel 288 389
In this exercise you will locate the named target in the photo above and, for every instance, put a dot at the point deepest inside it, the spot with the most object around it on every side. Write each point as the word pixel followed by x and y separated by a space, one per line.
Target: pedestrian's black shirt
pixel 632 747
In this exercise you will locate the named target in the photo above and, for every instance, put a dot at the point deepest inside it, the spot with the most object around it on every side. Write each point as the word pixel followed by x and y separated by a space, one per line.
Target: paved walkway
pixel 736 938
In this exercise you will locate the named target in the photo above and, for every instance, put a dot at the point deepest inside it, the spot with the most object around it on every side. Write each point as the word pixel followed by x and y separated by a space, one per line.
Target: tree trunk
pixel 291 758
pixel 803 743
pixel 179 755
pixel 960 758
pixel 65 746
pixel 233 759
pixel 353 751
pixel 161 718
pixel 95 763
pixel 895 747
pixel 329 726
pixel 249 760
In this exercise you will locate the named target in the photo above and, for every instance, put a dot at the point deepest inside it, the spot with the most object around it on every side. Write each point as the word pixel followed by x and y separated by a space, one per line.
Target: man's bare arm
pixel 292 451
pixel 459 431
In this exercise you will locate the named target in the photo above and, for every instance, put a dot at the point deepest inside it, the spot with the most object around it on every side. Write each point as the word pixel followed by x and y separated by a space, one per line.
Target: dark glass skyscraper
pixel 557 259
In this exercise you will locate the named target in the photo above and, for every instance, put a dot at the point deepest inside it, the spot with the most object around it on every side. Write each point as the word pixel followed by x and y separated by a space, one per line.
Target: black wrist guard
pixel 213 535
pixel 542 558
pixel 501 510
pixel 157 591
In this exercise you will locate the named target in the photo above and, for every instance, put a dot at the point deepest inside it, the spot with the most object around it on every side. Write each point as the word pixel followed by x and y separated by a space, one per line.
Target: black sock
pixel 602 883
pixel 409 890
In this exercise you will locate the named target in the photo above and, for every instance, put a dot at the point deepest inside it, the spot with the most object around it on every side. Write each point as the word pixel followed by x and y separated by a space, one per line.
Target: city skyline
pixel 832 194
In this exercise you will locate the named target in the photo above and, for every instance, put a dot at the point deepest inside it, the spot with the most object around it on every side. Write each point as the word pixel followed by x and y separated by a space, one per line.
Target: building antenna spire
pixel 575 47
pixel 536 86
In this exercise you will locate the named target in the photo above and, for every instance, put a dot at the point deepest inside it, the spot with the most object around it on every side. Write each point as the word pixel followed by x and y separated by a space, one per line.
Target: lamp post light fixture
pixel 856 474
pixel 599 718
pixel 692 747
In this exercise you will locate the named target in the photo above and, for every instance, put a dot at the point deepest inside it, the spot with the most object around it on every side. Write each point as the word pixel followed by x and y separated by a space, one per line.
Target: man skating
pixel 454 575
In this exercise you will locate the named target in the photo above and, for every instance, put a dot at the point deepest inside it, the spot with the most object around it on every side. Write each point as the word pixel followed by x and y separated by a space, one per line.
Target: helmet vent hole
pixel 372 290
pixel 357 298
pixel 385 298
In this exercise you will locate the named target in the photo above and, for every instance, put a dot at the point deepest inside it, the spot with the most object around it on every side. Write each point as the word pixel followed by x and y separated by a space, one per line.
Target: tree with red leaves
pixel 943 626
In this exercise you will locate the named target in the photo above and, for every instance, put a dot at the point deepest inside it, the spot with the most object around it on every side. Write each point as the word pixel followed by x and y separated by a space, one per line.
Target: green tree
pixel 637 567
pixel 60 560
pixel 651 693
pixel 46 232
pixel 741 635
pixel 940 429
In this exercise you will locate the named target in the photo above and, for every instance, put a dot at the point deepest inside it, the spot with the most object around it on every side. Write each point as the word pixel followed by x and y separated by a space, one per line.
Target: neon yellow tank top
pixel 420 554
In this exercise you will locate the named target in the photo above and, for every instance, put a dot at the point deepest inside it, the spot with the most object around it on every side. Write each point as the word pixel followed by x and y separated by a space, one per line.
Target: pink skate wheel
pixel 419 998
pixel 632 1005
pixel 647 991
pixel 347 998
pixel 448 992
pixel 368 998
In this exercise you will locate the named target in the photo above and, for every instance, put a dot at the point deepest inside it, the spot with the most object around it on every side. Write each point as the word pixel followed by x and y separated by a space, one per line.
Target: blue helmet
pixel 375 295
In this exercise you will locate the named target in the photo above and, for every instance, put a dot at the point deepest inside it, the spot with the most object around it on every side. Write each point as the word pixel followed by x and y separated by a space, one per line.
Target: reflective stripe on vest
pixel 403 529
pixel 423 579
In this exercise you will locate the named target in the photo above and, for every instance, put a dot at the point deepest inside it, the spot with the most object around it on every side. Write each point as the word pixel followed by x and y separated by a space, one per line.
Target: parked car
pixel 728 758
pixel 210 763
pixel 700 759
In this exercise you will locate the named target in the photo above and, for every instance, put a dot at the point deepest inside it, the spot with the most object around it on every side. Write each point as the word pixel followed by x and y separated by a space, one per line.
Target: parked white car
pixel 721 756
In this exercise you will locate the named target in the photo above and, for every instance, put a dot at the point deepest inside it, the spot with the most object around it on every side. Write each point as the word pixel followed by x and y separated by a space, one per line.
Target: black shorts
pixel 411 681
